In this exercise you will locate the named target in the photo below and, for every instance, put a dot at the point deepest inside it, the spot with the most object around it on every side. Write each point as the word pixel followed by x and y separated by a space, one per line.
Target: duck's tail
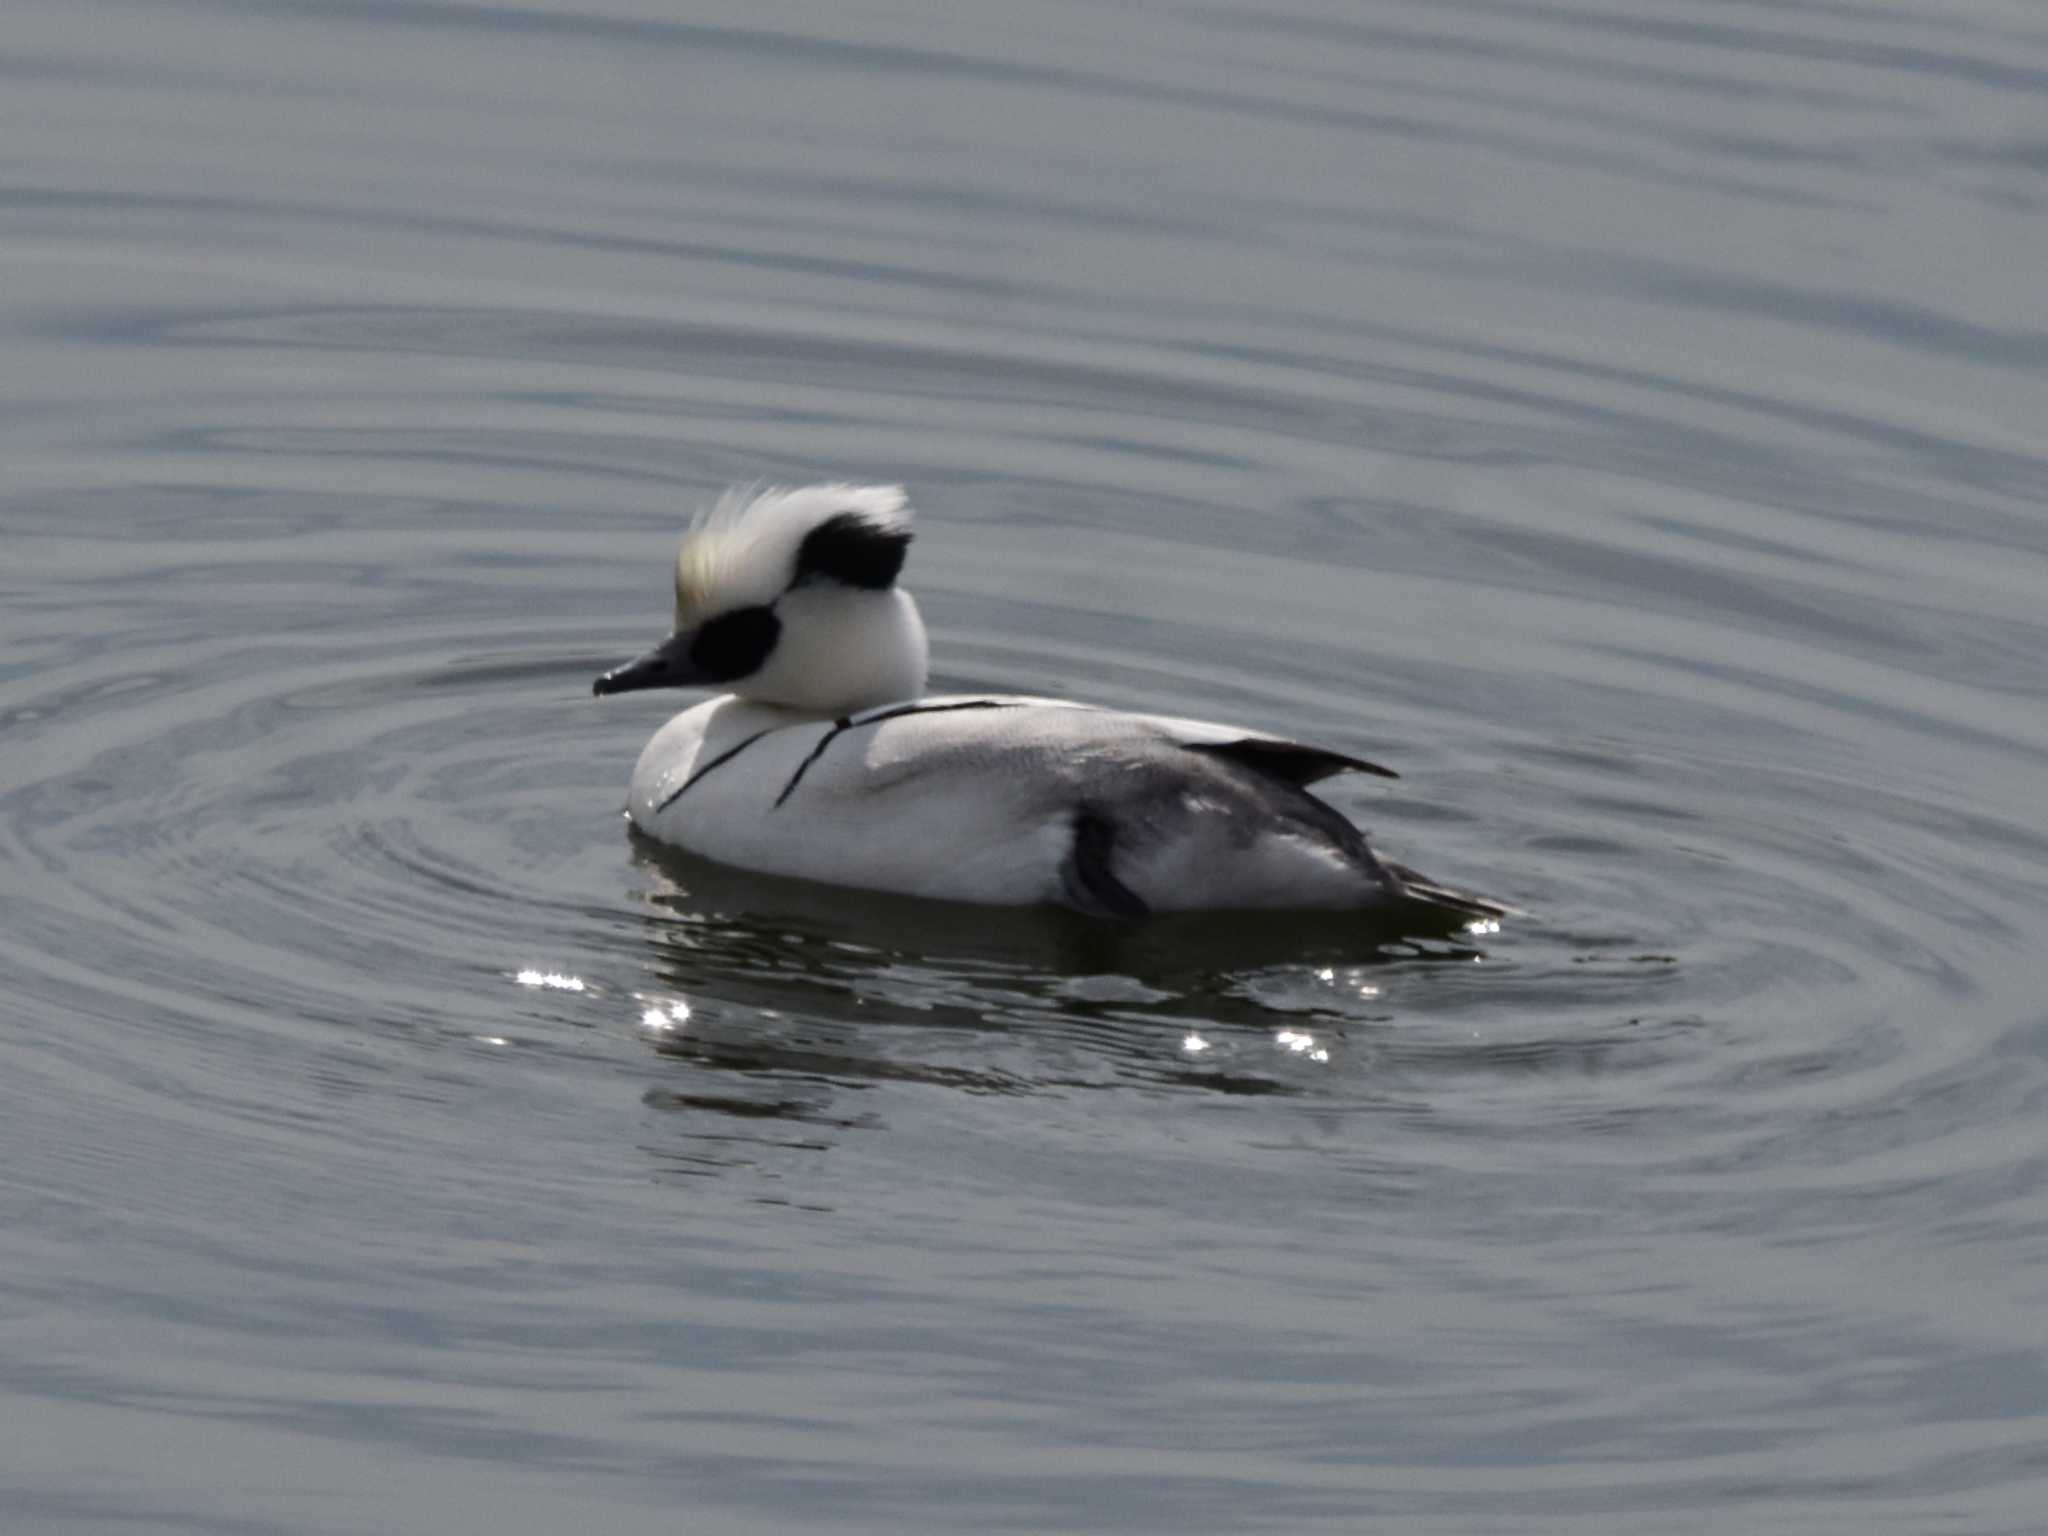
pixel 1441 900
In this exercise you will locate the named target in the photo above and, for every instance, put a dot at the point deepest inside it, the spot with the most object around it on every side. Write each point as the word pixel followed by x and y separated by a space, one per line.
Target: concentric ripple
pixel 1620 418
pixel 317 855
pixel 265 813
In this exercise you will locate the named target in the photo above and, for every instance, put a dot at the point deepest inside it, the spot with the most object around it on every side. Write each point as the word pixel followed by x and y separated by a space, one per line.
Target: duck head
pixel 789 597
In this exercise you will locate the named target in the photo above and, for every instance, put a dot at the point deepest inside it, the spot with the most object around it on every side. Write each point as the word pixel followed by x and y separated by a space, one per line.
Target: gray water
pixel 1623 418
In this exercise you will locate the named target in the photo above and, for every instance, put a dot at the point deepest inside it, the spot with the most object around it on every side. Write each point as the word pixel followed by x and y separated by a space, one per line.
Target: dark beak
pixel 668 665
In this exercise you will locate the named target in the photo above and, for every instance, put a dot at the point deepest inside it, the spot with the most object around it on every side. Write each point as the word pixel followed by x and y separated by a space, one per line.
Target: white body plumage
pixel 824 762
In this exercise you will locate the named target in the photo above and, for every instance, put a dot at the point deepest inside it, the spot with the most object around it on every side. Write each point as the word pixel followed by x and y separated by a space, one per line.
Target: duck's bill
pixel 668 665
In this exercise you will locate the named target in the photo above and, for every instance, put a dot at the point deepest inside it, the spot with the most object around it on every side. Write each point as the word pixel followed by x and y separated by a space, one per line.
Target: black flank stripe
pixel 717 762
pixel 847 723
pixel 824 741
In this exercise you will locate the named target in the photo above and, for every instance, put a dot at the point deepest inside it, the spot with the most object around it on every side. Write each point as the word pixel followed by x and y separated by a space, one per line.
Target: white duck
pixel 826 762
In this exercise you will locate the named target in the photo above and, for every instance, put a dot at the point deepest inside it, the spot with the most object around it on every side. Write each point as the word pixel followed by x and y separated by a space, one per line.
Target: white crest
pixel 743 550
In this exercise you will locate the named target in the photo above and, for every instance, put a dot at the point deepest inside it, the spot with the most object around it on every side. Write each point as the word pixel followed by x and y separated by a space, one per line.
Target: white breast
pixel 884 808
pixel 977 799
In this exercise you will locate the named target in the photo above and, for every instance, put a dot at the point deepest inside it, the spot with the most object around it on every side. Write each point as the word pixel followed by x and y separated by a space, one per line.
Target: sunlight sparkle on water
pixel 555 979
pixel 1301 1044
pixel 664 1017
pixel 1194 1045
pixel 1365 989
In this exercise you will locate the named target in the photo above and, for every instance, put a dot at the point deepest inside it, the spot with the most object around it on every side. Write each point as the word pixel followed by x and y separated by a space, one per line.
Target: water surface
pixel 1623 419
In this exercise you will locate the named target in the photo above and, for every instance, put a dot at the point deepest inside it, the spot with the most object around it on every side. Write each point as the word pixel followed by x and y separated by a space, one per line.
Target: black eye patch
pixel 734 645
pixel 851 550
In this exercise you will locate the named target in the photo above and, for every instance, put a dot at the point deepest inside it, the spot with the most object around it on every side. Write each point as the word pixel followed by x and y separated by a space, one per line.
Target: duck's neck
pixel 843 649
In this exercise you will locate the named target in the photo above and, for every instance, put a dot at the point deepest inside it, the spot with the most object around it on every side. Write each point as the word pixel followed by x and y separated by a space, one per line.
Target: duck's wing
pixel 1289 761
pixel 1273 757
pixel 1276 757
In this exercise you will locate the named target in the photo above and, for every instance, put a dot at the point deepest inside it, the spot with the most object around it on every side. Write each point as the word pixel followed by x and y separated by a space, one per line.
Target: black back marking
pixel 898 711
pixel 1288 761
pixel 847 723
pixel 1087 878
pixel 854 551
pixel 717 762
pixel 735 644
